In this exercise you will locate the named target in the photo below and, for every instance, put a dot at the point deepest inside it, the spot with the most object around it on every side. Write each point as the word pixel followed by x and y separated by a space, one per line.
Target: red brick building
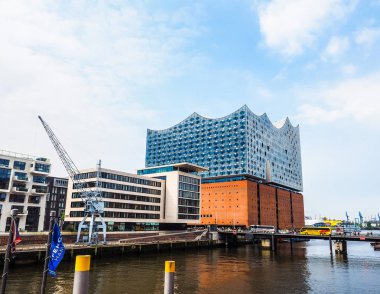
pixel 246 202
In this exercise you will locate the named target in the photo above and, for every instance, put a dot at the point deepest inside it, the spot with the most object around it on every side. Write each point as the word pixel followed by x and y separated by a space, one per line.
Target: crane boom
pixel 68 163
pixel 93 204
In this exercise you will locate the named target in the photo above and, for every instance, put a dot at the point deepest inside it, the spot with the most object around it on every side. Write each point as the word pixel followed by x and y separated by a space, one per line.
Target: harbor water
pixel 307 268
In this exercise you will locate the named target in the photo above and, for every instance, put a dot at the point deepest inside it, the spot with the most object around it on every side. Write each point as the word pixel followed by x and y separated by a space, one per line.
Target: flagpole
pixel 47 253
pixel 14 213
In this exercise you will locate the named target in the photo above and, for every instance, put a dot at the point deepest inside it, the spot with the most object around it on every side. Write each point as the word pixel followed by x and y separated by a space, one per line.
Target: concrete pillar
pixel 330 243
pixel 265 243
pixel 341 247
pixel 344 247
pixel 273 243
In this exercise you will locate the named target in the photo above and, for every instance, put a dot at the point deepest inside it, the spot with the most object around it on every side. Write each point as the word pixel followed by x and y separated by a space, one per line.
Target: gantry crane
pixel 92 199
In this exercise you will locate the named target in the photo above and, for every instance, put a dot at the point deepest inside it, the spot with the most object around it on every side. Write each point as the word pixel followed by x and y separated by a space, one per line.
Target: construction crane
pixel 92 199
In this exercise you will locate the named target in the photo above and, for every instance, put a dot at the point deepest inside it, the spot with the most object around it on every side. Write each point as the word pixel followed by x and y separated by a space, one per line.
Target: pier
pixel 270 240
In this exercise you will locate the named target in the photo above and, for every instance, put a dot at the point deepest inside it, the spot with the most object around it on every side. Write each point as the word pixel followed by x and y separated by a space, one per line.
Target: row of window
pixel 120 205
pixel 20 165
pixel 188 210
pixel 189 180
pixel 188 202
pixel 120 178
pixel 124 197
pixel 188 216
pixel 20 198
pixel 120 187
pixel 188 187
pixel 117 214
pixel 188 194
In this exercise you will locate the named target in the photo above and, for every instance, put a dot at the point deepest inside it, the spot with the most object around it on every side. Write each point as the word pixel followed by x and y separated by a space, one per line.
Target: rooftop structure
pixel 241 143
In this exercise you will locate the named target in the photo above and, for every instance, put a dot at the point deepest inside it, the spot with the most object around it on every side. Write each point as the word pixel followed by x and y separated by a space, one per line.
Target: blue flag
pixel 57 251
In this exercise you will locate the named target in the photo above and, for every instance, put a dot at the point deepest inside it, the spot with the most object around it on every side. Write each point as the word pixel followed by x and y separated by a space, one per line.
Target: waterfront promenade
pixel 137 242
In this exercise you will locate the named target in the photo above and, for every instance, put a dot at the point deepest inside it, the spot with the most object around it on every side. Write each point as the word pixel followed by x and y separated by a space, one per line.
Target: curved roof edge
pixel 277 125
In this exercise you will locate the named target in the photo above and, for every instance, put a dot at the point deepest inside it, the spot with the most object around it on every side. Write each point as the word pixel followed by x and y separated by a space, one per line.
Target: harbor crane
pixel 92 199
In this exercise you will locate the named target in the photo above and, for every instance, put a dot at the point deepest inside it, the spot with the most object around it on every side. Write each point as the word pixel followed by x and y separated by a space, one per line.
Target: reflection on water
pixel 308 268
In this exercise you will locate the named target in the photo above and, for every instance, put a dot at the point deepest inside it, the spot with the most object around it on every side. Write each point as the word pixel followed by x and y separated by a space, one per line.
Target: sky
pixel 102 72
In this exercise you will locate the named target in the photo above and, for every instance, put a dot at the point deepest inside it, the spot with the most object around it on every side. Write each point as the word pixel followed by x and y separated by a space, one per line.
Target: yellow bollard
pixel 82 274
pixel 169 277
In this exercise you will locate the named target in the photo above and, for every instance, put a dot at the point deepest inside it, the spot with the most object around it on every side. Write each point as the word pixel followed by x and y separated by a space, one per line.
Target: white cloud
pixel 81 67
pixel 348 69
pixel 313 114
pixel 367 36
pixel 336 47
pixel 291 26
pixel 355 98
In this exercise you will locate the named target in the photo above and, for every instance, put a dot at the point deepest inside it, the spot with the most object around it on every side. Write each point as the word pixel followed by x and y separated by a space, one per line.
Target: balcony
pixel 20 189
pixel 44 184
pixel 39 191
pixel 20 179
pixel 39 171
pixel 43 159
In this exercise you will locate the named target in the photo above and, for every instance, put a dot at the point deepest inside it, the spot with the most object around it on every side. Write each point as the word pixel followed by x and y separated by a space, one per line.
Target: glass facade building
pixel 241 143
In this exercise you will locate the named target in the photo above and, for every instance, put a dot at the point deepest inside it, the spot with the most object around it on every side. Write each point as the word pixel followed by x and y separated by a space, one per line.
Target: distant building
pixel 56 199
pixel 241 143
pixel 141 202
pixel 23 185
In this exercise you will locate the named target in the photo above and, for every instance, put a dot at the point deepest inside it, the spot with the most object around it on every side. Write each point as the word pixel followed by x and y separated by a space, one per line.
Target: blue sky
pixel 102 72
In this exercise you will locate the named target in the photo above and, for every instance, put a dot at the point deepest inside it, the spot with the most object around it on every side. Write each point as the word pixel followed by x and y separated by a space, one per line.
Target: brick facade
pixel 244 203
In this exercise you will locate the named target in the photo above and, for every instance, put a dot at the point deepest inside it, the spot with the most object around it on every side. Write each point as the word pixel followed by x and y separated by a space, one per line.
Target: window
pixel 21 176
pixel 42 167
pixel 39 179
pixel 19 165
pixel 17 198
pixel 3 196
pixel 5 175
pixel 4 162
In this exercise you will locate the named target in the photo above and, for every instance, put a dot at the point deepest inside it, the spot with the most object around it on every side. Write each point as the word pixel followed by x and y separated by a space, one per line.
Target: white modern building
pixel 23 186
pixel 131 202
pixel 182 191
pixel 157 198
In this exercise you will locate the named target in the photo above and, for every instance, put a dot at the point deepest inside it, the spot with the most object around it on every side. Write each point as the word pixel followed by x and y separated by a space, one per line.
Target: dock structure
pixel 185 240
pixel 148 243
pixel 270 240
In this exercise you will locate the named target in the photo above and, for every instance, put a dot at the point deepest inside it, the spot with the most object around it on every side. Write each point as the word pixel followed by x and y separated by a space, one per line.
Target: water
pixel 309 268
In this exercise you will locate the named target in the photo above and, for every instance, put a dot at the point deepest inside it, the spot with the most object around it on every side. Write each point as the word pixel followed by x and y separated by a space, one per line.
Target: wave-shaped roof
pixel 279 125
